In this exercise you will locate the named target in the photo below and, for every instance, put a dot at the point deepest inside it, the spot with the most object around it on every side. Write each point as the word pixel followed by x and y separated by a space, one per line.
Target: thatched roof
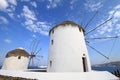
pixel 17 52
pixel 67 23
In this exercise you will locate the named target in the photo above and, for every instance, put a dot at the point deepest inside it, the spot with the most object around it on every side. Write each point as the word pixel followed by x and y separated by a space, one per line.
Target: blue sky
pixel 22 21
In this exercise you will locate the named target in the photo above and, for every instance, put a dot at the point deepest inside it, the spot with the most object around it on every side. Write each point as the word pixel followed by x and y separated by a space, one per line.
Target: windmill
pixel 34 53
pixel 87 39
pixel 70 39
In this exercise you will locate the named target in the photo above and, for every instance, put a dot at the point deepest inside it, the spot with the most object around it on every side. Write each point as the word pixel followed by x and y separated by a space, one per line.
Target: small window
pixel 83 54
pixel 19 57
pixel 50 63
pixel 52 31
pixel 80 29
pixel 52 42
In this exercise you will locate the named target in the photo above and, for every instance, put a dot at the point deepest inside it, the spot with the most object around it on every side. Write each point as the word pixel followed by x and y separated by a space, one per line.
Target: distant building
pixel 67 50
pixel 16 60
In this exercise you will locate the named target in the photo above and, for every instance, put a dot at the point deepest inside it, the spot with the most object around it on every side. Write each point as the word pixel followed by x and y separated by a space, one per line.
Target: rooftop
pixel 17 52
pixel 66 23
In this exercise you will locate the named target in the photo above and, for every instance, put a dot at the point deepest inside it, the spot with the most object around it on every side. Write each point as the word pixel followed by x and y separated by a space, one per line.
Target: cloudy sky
pixel 23 21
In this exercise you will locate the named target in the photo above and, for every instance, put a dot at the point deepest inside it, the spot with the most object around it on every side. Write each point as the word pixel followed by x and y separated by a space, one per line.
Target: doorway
pixel 84 64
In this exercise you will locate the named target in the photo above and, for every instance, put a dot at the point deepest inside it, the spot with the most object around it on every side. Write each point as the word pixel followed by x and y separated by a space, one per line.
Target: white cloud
pixel 34 4
pixel 111 27
pixel 93 5
pixel 13 2
pixel 54 3
pixel 10 9
pixel 32 23
pixel 29 22
pixel 40 28
pixel 11 15
pixel 117 7
pixel 7 41
pixel 28 13
pixel 72 2
pixel 25 0
pixel 117 29
pixel 118 26
pixel 8 6
pixel 3 5
pixel 33 28
pixel 3 19
pixel 43 25
pixel 34 36
pixel 117 14
pixel 18 16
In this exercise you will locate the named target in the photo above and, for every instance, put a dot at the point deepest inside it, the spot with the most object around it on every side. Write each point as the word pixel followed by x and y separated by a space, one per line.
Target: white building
pixel 16 60
pixel 67 50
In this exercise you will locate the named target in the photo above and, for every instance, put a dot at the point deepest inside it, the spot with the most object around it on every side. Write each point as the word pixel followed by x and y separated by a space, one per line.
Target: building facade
pixel 67 49
pixel 16 60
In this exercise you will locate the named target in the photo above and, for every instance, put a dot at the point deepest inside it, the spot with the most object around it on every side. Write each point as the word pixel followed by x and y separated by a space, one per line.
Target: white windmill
pixel 67 51
pixel 16 60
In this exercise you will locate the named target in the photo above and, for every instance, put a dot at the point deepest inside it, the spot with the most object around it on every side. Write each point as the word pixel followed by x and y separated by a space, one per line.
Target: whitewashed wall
pixel 13 63
pixel 67 50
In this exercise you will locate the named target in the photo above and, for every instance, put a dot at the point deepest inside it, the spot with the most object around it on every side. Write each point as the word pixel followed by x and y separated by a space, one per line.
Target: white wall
pixel 97 75
pixel 67 50
pixel 13 63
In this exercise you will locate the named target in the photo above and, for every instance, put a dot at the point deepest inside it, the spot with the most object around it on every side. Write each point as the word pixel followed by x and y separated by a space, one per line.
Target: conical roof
pixel 17 52
pixel 67 23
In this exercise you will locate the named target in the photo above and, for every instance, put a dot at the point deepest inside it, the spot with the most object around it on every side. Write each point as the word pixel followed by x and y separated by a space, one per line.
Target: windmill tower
pixel 67 50
pixel 16 60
